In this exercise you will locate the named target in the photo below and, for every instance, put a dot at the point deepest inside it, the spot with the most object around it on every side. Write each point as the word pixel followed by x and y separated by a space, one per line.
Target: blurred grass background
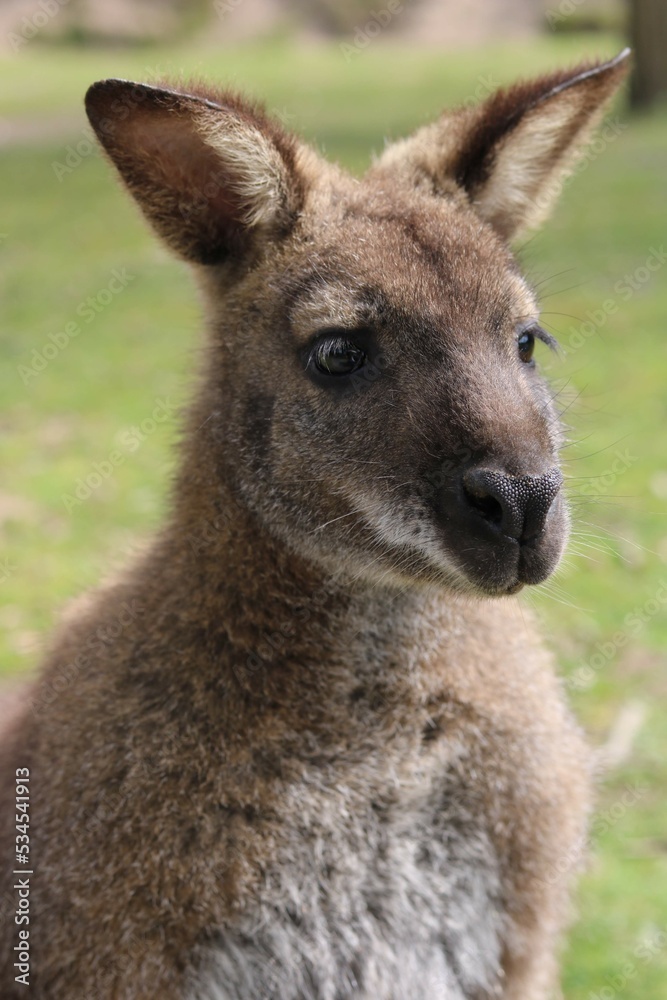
pixel 65 225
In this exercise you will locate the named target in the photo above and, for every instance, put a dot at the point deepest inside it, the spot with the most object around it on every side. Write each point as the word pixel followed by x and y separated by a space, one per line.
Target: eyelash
pixel 540 334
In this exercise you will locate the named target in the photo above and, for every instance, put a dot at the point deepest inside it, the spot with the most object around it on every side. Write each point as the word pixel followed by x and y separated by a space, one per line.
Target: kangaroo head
pixel 371 394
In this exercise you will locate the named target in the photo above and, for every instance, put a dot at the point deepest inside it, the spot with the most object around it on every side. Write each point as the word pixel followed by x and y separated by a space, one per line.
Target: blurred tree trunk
pixel 648 29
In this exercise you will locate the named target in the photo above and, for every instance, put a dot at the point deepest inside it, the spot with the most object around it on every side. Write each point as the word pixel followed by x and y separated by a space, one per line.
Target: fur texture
pixel 307 748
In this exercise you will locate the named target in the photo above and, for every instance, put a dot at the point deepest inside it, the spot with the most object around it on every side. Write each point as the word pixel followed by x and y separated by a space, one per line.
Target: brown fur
pixel 310 670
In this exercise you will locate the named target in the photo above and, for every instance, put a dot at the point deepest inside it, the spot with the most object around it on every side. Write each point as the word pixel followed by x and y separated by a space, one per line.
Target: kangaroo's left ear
pixel 214 175
pixel 511 153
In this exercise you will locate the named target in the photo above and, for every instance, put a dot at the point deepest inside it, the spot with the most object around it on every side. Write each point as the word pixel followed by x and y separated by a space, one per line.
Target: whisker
pixel 333 520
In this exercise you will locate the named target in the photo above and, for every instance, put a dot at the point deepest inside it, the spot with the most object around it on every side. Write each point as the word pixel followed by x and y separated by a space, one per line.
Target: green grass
pixel 63 238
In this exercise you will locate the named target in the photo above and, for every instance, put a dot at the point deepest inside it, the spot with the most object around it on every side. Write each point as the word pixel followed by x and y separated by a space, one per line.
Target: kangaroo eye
pixel 526 345
pixel 338 356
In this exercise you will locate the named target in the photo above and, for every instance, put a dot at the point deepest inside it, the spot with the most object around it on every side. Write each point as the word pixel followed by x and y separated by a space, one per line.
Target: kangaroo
pixel 308 747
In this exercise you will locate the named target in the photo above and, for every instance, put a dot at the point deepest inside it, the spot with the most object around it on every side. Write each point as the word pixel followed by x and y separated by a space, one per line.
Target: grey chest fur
pixel 393 900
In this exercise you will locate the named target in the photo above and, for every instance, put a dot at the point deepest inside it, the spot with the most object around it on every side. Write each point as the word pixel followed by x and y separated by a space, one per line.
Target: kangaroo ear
pixel 211 175
pixel 510 154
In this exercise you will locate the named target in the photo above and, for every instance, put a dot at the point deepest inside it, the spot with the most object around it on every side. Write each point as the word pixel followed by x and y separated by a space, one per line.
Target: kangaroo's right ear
pixel 510 154
pixel 210 172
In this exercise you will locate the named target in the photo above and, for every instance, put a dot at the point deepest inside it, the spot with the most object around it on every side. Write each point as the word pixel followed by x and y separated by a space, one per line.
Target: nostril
pixel 485 504
pixel 517 505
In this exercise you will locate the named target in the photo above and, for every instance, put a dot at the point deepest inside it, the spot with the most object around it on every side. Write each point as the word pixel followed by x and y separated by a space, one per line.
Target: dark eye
pixel 526 345
pixel 338 356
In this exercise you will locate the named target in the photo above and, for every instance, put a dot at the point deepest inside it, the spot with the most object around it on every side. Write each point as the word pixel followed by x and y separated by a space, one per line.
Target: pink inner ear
pixel 181 184
pixel 195 196
pixel 173 156
pixel 589 85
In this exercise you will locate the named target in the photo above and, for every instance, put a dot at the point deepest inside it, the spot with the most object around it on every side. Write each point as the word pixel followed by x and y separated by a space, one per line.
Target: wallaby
pixel 308 747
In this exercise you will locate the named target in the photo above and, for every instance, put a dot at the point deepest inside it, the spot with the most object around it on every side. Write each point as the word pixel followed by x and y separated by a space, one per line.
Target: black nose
pixel 517 505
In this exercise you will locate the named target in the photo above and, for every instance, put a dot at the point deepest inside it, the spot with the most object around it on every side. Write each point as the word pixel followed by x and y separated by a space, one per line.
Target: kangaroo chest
pixel 391 835
pixel 384 885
